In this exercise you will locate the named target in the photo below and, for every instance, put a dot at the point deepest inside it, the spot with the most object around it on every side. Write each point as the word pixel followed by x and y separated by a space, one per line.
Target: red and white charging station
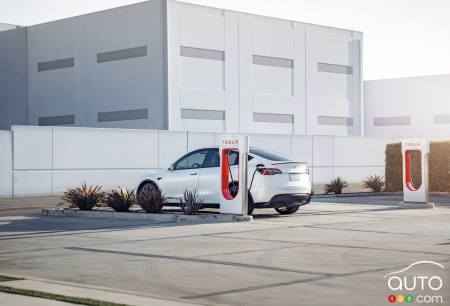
pixel 416 196
pixel 237 203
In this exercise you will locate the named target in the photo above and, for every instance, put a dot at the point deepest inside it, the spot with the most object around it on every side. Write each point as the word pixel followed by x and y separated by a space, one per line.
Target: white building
pixel 408 107
pixel 169 65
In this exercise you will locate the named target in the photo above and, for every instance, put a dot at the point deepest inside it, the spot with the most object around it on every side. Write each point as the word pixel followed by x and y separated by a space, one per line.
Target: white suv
pixel 274 180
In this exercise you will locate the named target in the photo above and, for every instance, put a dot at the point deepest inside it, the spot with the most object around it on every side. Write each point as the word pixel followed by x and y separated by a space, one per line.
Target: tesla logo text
pixel 408 144
pixel 230 141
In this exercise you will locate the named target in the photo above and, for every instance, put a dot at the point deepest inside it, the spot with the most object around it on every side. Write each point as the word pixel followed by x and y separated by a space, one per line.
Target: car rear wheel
pixel 287 210
pixel 234 190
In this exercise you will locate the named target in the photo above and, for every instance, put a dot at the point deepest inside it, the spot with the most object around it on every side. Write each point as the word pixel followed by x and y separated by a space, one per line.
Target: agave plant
pixel 335 186
pixel 120 201
pixel 82 197
pixel 191 202
pixel 152 201
pixel 376 183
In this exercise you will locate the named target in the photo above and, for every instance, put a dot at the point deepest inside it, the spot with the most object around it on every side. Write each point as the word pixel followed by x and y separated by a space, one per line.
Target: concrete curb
pixel 372 194
pixel 140 216
pixel 359 194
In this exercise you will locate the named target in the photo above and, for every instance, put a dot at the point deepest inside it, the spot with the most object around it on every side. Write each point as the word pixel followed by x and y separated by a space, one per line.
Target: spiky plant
pixel 152 201
pixel 335 186
pixel 191 202
pixel 375 182
pixel 120 201
pixel 82 197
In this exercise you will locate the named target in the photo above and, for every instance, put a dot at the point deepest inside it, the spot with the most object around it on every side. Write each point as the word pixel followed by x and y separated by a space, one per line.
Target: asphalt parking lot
pixel 333 251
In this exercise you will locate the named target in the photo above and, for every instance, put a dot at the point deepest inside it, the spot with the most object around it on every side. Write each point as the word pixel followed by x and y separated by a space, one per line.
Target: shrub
pixel 335 186
pixel 152 201
pixel 376 183
pixel 82 197
pixel 120 201
pixel 439 167
pixel 191 202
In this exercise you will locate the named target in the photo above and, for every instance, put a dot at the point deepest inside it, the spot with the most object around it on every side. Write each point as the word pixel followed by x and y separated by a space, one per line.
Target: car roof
pixel 216 147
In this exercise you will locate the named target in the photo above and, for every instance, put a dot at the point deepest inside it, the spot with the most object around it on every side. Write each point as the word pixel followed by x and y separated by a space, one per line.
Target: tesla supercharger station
pixel 236 204
pixel 416 196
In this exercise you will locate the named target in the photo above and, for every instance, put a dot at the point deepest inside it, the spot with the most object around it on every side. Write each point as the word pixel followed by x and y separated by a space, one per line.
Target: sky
pixel 402 38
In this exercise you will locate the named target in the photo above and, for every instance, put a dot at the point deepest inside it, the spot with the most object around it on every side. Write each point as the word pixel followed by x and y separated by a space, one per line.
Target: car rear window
pixel 271 155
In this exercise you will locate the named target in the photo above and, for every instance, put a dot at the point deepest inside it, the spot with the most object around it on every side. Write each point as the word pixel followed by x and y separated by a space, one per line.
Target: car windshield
pixel 271 155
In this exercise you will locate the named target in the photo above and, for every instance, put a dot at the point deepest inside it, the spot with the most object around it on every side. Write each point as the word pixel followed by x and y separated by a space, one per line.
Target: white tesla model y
pixel 274 180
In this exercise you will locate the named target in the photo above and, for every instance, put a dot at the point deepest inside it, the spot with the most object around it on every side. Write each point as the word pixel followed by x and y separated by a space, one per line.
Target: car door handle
pixel 193 173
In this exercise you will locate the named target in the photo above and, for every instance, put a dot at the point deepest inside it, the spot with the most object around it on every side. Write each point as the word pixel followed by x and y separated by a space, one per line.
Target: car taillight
pixel 307 170
pixel 271 171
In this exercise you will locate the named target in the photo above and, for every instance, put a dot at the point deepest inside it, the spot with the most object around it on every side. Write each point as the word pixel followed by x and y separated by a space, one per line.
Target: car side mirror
pixel 171 167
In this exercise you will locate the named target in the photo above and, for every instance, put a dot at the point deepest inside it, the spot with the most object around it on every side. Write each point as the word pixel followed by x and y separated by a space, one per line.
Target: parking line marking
pixel 203 261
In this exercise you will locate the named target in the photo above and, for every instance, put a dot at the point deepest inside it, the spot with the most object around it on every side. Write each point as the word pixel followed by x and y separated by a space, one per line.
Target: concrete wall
pixel 13 78
pixel 238 72
pixel 48 160
pixel 5 165
pixel 169 65
pixel 408 107
pixel 104 69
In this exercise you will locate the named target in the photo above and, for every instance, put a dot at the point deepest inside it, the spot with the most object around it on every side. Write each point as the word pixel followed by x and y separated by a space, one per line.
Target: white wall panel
pixel 200 9
pixel 393 98
pixel 354 175
pixel 73 148
pixel 334 49
pixel 273 41
pixel 32 183
pixel 272 80
pixel 13 78
pixel 202 31
pixel 202 99
pixel 273 128
pixel 57 92
pixel 107 179
pixel 198 125
pixel 79 155
pixel 323 148
pixel 56 42
pixel 321 175
pixel 245 73
pixel 273 104
pixel 198 140
pixel 232 76
pixel 32 147
pixel 360 151
pixel 302 148
pixel 300 115
pixel 172 146
pixel 334 86
pixel 278 143
pixel 333 108
pixel 121 31
pixel 202 73
pixel 5 165
pixel 173 65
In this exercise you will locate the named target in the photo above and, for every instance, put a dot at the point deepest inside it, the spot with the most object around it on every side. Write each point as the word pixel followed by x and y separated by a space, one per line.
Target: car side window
pixel 192 161
pixel 215 158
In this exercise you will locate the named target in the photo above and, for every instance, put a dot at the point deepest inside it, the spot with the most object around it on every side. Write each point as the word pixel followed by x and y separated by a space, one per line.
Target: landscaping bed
pixel 140 215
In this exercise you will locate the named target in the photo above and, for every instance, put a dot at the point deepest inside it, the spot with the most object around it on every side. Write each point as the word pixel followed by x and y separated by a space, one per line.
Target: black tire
pixel 287 210
pixel 233 192
pixel 250 206
pixel 148 186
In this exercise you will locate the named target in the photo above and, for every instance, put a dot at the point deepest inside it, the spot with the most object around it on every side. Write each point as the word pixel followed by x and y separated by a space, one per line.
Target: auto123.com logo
pixel 417 283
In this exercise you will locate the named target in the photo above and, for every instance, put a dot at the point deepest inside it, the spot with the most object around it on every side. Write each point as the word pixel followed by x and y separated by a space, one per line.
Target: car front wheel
pixel 287 210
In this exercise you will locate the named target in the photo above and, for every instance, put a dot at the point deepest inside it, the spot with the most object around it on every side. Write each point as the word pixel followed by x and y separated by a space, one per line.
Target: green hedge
pixel 439 167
